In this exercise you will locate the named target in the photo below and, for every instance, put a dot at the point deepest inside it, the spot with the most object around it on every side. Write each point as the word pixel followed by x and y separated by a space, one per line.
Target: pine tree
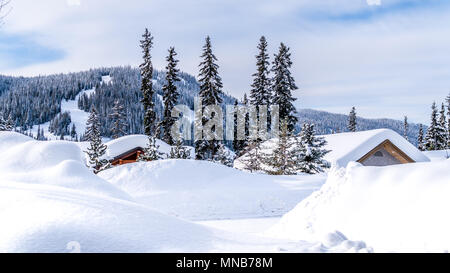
pixel 147 85
pixel 261 93
pixel 73 132
pixel 253 157
pixel 435 137
pixel 118 120
pixel 309 151
pixel 2 124
pixel 224 156
pixel 151 152
pixel 443 125
pixel 9 123
pixel 210 94
pixel 283 84
pixel 170 96
pixel 352 120
pixel 405 128
pixel 178 151
pixel 281 161
pixel 96 149
pixel 448 121
pixel 420 139
pixel 237 144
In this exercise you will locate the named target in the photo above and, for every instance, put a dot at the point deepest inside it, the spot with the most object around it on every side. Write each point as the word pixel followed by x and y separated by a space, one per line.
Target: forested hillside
pixel 36 100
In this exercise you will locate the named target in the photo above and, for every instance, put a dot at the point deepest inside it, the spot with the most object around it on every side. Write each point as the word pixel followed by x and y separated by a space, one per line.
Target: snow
pixel 395 208
pixel 124 144
pixel 51 202
pixel 437 155
pixel 199 190
pixel 347 147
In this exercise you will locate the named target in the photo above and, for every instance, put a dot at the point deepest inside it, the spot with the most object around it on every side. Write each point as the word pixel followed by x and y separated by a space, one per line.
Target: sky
pixel 388 58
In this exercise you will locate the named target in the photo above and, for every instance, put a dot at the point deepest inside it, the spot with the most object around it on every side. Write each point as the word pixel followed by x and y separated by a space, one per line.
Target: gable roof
pixel 129 143
pixel 346 147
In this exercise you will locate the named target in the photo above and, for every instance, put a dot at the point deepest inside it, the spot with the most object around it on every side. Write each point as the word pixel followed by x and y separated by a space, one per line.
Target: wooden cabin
pixel 385 154
pixel 130 156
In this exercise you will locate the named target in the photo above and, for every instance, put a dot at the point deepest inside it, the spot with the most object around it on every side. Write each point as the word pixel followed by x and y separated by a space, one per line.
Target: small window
pixel 378 154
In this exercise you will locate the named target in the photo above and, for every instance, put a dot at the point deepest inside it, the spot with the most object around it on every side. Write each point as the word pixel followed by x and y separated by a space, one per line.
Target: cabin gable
pixel 385 154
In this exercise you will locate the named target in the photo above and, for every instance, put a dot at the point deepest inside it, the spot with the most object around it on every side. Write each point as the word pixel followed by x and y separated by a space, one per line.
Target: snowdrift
pixel 396 208
pixel 204 190
pixel 56 163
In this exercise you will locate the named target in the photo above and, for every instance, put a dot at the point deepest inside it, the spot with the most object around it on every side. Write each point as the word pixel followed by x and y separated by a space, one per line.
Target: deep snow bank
pixel 395 208
pixel 204 190
pixel 57 163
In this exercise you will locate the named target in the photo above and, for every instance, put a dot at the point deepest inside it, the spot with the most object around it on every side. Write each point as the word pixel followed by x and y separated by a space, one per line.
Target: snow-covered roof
pixel 124 144
pixel 346 147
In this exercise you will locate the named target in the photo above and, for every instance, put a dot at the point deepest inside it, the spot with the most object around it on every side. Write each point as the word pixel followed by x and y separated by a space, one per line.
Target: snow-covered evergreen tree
pixel 309 151
pixel 96 149
pixel 73 132
pixel 448 121
pixel 253 156
pixel 9 123
pixel 420 139
pixel 261 93
pixel 170 96
pixel 283 84
pixel 224 156
pixel 151 152
pixel 210 94
pixel 443 125
pixel 435 137
pixel 282 159
pixel 405 128
pixel 178 151
pixel 118 120
pixel 147 85
pixel 2 124
pixel 352 120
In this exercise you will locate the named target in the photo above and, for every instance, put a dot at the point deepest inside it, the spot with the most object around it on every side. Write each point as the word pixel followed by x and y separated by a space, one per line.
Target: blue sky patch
pixel 19 51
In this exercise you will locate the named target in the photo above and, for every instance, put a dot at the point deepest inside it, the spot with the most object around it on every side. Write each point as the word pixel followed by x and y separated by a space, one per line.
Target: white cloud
pixel 73 2
pixel 374 2
pixel 370 64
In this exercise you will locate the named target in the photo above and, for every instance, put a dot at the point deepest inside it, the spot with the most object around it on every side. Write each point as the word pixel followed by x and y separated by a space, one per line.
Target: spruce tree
pixel 96 149
pixel 10 123
pixel 178 151
pixel 448 121
pixel 118 120
pixel 309 151
pixel 253 158
pixel 405 128
pixel 420 139
pixel 224 156
pixel 73 132
pixel 261 93
pixel 2 124
pixel 170 96
pixel 147 85
pixel 435 137
pixel 443 125
pixel 283 84
pixel 282 160
pixel 210 94
pixel 151 152
pixel 352 120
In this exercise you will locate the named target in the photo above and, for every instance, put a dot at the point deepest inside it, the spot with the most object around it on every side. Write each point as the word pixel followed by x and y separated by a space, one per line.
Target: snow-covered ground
pixel 438 155
pixel 203 190
pixel 396 208
pixel 51 202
